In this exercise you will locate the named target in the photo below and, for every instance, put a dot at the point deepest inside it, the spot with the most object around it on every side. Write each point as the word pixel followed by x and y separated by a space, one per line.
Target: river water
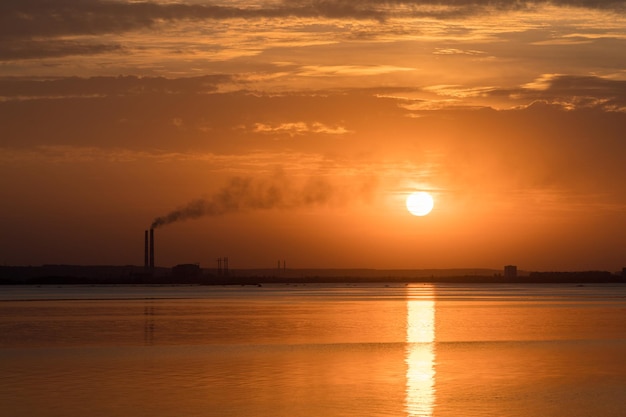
pixel 313 350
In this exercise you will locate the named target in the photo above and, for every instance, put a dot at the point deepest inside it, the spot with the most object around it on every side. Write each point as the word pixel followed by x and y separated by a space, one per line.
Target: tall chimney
pixel 146 254
pixel 151 248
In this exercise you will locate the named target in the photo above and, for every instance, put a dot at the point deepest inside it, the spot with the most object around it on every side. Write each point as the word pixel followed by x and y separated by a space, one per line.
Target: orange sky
pixel 295 130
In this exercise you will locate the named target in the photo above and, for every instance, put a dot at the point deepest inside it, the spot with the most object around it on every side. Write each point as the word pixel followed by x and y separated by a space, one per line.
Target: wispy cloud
pixel 353 70
pixel 300 128
pixel 25 87
pixel 456 51
pixel 573 92
pixel 458 91
pixel 11 49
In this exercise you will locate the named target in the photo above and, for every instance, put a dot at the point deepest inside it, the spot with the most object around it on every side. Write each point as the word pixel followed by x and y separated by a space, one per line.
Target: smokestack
pixel 151 248
pixel 146 260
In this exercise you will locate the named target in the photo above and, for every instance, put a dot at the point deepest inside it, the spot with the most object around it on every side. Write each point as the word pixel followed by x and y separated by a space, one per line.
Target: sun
pixel 419 203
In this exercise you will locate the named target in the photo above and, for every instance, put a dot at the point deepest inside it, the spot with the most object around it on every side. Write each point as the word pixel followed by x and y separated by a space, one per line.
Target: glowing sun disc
pixel 420 203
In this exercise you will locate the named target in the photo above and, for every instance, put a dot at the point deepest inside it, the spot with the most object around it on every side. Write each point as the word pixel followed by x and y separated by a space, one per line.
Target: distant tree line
pixel 575 277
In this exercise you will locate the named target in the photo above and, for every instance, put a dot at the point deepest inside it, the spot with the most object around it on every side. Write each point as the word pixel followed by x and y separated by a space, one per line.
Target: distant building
pixel 510 271
pixel 185 271
pixel 624 273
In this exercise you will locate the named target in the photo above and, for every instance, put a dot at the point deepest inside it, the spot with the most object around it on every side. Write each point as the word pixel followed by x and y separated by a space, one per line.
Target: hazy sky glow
pixel 295 130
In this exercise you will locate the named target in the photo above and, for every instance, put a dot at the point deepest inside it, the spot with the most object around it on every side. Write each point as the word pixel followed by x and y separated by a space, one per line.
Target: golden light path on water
pixel 420 353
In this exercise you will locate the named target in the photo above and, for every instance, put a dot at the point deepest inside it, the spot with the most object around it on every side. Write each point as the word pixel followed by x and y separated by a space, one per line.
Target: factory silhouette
pixel 192 273
pixel 222 274
pixel 188 273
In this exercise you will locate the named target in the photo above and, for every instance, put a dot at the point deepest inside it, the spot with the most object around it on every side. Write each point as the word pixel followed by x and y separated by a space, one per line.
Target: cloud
pixel 33 18
pixel 573 91
pixel 22 87
pixel 37 18
pixel 11 49
pixel 458 91
pixel 300 128
pixel 171 37
pixel 351 70
pixel 455 51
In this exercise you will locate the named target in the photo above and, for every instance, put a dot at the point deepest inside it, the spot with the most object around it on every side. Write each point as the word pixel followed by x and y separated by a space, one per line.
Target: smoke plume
pixel 244 194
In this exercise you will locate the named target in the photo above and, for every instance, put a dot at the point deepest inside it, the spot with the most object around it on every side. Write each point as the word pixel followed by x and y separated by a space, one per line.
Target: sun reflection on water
pixel 420 355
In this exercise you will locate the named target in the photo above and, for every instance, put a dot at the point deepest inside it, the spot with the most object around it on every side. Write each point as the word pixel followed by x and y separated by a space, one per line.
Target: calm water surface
pixel 314 350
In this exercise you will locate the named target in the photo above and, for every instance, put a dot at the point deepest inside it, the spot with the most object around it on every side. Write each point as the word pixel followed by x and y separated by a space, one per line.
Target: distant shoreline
pixel 124 275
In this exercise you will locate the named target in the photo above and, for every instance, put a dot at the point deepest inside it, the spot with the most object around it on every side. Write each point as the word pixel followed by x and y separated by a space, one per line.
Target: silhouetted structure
pixel 151 249
pixel 129 274
pixel 183 272
pixel 222 266
pixel 510 271
pixel 146 253
pixel 578 276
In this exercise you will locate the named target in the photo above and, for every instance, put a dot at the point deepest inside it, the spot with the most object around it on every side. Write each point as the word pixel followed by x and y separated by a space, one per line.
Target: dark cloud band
pixel 44 18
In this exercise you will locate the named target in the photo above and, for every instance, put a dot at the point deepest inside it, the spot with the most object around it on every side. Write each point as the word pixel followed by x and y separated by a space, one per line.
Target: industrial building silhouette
pixel 223 274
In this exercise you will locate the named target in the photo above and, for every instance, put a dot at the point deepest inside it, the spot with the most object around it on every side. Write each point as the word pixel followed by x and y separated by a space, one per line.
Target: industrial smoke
pixel 243 194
